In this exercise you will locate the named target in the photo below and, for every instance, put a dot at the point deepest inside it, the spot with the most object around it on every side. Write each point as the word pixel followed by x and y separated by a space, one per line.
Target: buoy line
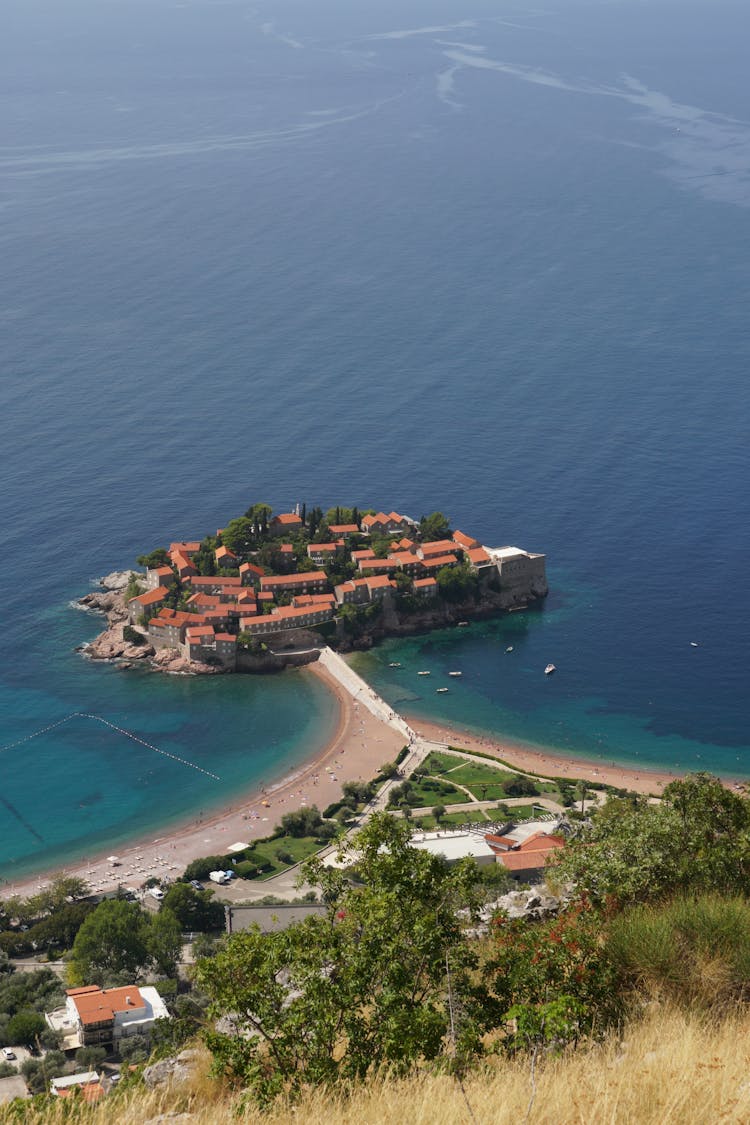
pixel 114 727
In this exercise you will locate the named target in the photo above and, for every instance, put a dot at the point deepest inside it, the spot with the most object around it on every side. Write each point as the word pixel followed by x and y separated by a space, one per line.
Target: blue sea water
pixel 475 256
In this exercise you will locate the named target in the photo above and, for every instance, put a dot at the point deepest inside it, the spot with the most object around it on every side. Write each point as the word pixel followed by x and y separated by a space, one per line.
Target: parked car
pixel 8 1053
pixel 157 893
pixel 198 886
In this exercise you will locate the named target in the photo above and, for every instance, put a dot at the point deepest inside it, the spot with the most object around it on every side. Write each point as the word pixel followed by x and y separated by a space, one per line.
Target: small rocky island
pixel 270 590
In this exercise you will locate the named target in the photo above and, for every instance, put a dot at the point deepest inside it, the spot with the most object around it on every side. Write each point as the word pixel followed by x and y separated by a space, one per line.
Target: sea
pixel 485 257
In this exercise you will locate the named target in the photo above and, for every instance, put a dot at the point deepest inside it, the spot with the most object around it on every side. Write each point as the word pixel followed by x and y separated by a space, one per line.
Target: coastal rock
pixel 118 579
pixel 170 660
pixel 110 645
pixel 178 1068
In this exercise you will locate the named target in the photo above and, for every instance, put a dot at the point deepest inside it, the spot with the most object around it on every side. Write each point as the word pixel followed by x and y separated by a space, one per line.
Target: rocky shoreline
pixel 111 645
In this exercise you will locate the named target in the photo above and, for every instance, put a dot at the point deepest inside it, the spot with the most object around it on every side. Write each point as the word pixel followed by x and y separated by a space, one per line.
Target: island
pixel 270 590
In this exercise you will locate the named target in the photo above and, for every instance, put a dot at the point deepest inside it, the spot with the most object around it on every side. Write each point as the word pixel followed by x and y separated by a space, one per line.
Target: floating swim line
pixel 114 727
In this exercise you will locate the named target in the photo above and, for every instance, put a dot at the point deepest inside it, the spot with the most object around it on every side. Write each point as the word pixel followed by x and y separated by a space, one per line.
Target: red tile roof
pixel 250 568
pixel 478 555
pixel 438 547
pixel 288 519
pixel 466 541
pixel 343 528
pixel 376 564
pixel 365 553
pixel 423 582
pixel 96 1005
pixel 151 596
pixel 270 582
pixel 440 560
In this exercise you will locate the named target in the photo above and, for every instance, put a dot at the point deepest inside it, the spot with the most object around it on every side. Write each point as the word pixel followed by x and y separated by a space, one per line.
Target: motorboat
pixel 549 670
pixel 394 664
pixel 441 690
pixel 455 673
pixel 423 673
pixel 462 624
pixel 509 648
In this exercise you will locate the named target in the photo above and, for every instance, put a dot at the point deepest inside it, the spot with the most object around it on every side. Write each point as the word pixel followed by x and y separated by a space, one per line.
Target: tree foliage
pixel 363 986
pixel 433 527
pixel 195 910
pixel 696 838
pixel 121 941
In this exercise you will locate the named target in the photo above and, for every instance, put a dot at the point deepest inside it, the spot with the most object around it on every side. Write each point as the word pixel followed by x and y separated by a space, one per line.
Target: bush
pixel 132 636
pixel 7 1070
pixel 521 787
pixel 202 868
pixel 90 1057
pixel 692 951
pixel 247 870
pixel 284 856
pixel 302 822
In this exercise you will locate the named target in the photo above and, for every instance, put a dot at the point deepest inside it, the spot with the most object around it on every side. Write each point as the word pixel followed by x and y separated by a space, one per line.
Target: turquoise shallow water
pixel 422 255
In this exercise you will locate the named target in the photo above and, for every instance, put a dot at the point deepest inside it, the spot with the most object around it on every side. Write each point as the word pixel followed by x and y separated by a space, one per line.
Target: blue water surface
pixel 466 256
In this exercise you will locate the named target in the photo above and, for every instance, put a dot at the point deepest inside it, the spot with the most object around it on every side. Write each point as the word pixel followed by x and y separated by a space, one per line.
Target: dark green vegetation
pixel 46 922
pixel 24 997
pixel 389 976
pixel 119 943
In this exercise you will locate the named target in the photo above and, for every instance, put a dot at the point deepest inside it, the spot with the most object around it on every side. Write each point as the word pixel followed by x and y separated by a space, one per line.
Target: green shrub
pixel 247 870
pixel 694 951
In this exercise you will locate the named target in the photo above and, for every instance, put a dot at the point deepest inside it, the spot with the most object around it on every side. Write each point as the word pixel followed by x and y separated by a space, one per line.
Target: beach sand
pixel 361 744
pixel 546 762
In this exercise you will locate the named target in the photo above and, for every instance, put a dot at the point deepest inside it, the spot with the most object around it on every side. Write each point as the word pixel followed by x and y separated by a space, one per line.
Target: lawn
pixel 474 775
pixel 264 852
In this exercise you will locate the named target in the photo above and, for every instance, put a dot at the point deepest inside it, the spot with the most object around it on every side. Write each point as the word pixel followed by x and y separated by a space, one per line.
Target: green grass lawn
pixel 264 852
pixel 475 774
pixel 454 820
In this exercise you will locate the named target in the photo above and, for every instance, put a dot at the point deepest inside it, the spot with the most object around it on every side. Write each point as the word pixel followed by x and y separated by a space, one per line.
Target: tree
pixel 375 982
pixel 39 1072
pixel 25 1028
pixel 301 822
pixel 195 910
pixel 433 527
pixel 521 787
pixel 112 939
pixel 438 812
pixel 90 1057
pixel 240 536
pixel 164 941
pixel 697 838
pixel 156 558
pixel 457 583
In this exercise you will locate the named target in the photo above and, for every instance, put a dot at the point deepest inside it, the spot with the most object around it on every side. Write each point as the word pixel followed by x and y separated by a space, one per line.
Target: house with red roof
pixel 284 523
pixel 94 1015
pixel 148 602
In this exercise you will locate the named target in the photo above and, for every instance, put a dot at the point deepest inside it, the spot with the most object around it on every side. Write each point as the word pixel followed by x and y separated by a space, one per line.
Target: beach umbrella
pixel 113 859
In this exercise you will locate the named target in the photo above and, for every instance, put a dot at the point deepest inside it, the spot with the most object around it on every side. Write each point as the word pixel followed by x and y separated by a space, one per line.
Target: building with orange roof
pixel 310 581
pixel 323 552
pixel 478 557
pixel 249 572
pixel 466 542
pixel 94 1015
pixel 225 558
pixel 284 523
pixel 425 587
pixel 287 617
pixel 159 576
pixel 438 562
pixel 191 547
pixel 385 524
pixel 437 547
pixel 377 566
pixel 150 601
pixel 365 553
pixel 345 529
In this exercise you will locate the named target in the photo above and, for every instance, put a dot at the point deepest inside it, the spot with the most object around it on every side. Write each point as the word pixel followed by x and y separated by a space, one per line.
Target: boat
pixel 394 664
pixel 509 648
pixel 455 673
pixel 549 670
pixel 694 644
pixel 462 624
pixel 441 690
pixel 423 673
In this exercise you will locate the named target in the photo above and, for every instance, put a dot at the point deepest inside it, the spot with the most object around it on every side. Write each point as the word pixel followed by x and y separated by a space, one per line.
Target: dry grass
pixel 669 1068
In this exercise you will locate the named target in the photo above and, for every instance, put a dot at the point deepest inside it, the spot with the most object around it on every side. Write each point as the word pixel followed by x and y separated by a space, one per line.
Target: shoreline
pixel 360 744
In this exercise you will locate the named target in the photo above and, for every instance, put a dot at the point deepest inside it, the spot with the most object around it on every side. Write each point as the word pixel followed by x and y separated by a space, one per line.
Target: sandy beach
pixel 546 762
pixel 362 743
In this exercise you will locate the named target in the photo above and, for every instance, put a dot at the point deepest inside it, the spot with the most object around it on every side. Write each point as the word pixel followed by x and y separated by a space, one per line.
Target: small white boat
pixel 394 664
pixel 423 673
pixel 441 690
pixel 694 644
pixel 549 670
pixel 509 648
pixel 462 624
pixel 455 673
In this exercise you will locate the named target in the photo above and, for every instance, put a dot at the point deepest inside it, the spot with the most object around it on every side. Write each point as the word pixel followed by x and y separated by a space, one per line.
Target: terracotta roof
pixel 343 528
pixel 288 519
pixel 189 548
pixel 226 637
pixel 421 582
pixel 440 560
pixel 316 548
pixel 99 1005
pixel 269 582
pixel 478 555
pixel 379 580
pixel 89 1091
pixel 250 568
pixel 289 611
pixel 525 861
pixel 224 552
pixel 218 580
pixel 438 547
pixel 405 558
pixel 365 553
pixel 151 596
pixel 375 564
pixel 465 540
pixel 182 562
